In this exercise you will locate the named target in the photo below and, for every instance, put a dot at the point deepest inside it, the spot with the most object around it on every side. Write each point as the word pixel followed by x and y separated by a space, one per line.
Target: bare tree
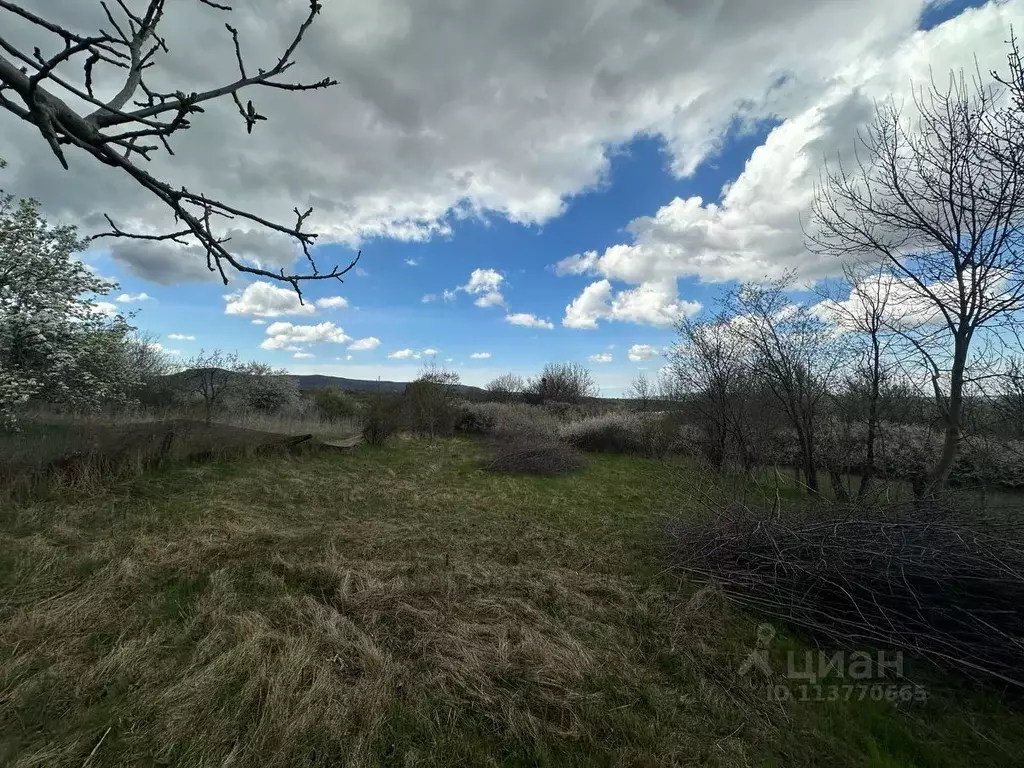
pixel 863 315
pixel 506 387
pixel 119 130
pixel 641 391
pixel 563 382
pixel 794 352
pixel 710 371
pixel 211 376
pixel 940 203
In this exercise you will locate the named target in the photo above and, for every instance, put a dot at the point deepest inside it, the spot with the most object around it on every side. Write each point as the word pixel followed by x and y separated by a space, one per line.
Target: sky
pixel 527 182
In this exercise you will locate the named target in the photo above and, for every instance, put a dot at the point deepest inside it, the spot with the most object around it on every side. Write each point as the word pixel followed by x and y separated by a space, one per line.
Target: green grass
pixel 401 606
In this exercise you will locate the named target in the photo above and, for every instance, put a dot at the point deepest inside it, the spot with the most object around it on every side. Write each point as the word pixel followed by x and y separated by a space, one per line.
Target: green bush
pixel 335 404
pixel 382 421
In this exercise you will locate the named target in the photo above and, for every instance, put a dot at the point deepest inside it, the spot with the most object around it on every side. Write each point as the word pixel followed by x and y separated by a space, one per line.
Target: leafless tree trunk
pixel 939 201
pixel 34 86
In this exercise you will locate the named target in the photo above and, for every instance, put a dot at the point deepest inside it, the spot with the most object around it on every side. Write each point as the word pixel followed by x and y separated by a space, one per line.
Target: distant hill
pixel 320 381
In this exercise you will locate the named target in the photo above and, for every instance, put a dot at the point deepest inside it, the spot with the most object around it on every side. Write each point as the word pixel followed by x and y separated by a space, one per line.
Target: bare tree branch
pixel 113 132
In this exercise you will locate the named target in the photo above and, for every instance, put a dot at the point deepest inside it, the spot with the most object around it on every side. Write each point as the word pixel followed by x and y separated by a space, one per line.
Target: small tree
pixel 794 352
pixel 863 316
pixel 641 391
pixel 710 372
pixel 506 388
pixel 264 388
pixel 563 382
pixel 430 400
pixel 212 376
pixel 940 203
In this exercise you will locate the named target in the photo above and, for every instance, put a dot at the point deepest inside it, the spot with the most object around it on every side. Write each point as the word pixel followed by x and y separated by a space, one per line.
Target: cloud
pixel 431 352
pixel 162 263
pixel 486 285
pixel 267 300
pixel 652 303
pixel 281 335
pixel 427 298
pixel 303 355
pixel 363 345
pixel 257 321
pixel 105 308
pixel 180 337
pixel 601 357
pixel 403 354
pixel 449 295
pixel 522 119
pixel 528 320
pixel 754 229
pixel 640 352
pixel 158 347
pixel 332 302
pixel 412 262
pixel 480 356
pixel 131 298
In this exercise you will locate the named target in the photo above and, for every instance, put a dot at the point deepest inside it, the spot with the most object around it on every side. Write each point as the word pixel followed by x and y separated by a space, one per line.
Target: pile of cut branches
pixel 944 584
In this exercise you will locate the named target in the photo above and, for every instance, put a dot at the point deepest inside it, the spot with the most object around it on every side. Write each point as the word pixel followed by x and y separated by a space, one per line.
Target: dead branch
pixel 114 130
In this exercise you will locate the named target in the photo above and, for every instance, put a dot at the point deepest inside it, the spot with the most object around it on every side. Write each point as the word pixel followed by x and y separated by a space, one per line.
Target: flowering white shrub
pixel 54 344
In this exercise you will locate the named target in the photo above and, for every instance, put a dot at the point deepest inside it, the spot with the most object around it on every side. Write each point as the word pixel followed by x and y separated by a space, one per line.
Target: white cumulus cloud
pixel 528 320
pixel 133 298
pixel 640 352
pixel 654 303
pixel 332 302
pixel 485 284
pixel 480 355
pixel 601 357
pixel 363 345
pixel 281 335
pixel 404 354
pixel 267 300
pixel 180 337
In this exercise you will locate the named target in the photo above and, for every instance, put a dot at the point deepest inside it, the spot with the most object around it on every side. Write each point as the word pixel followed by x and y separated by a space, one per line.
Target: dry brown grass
pixel 390 607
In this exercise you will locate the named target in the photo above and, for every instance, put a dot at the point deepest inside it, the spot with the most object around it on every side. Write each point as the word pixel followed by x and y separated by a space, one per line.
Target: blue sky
pixel 386 296
pixel 668 179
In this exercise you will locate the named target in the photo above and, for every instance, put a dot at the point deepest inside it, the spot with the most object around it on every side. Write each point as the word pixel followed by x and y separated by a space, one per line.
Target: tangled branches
pixel 122 129
pixel 923 579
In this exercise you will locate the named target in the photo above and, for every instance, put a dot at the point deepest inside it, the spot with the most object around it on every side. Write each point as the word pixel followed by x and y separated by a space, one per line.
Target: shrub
pixel 621 432
pixel 565 382
pixel 429 402
pixel 506 419
pixel 534 455
pixel 335 404
pixel 382 421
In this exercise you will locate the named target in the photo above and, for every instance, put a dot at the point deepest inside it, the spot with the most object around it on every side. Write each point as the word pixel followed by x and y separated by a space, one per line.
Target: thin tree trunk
pixel 938 478
pixel 868 471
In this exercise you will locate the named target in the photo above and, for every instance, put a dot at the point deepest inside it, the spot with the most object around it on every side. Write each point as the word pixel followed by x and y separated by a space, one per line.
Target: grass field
pixel 401 606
